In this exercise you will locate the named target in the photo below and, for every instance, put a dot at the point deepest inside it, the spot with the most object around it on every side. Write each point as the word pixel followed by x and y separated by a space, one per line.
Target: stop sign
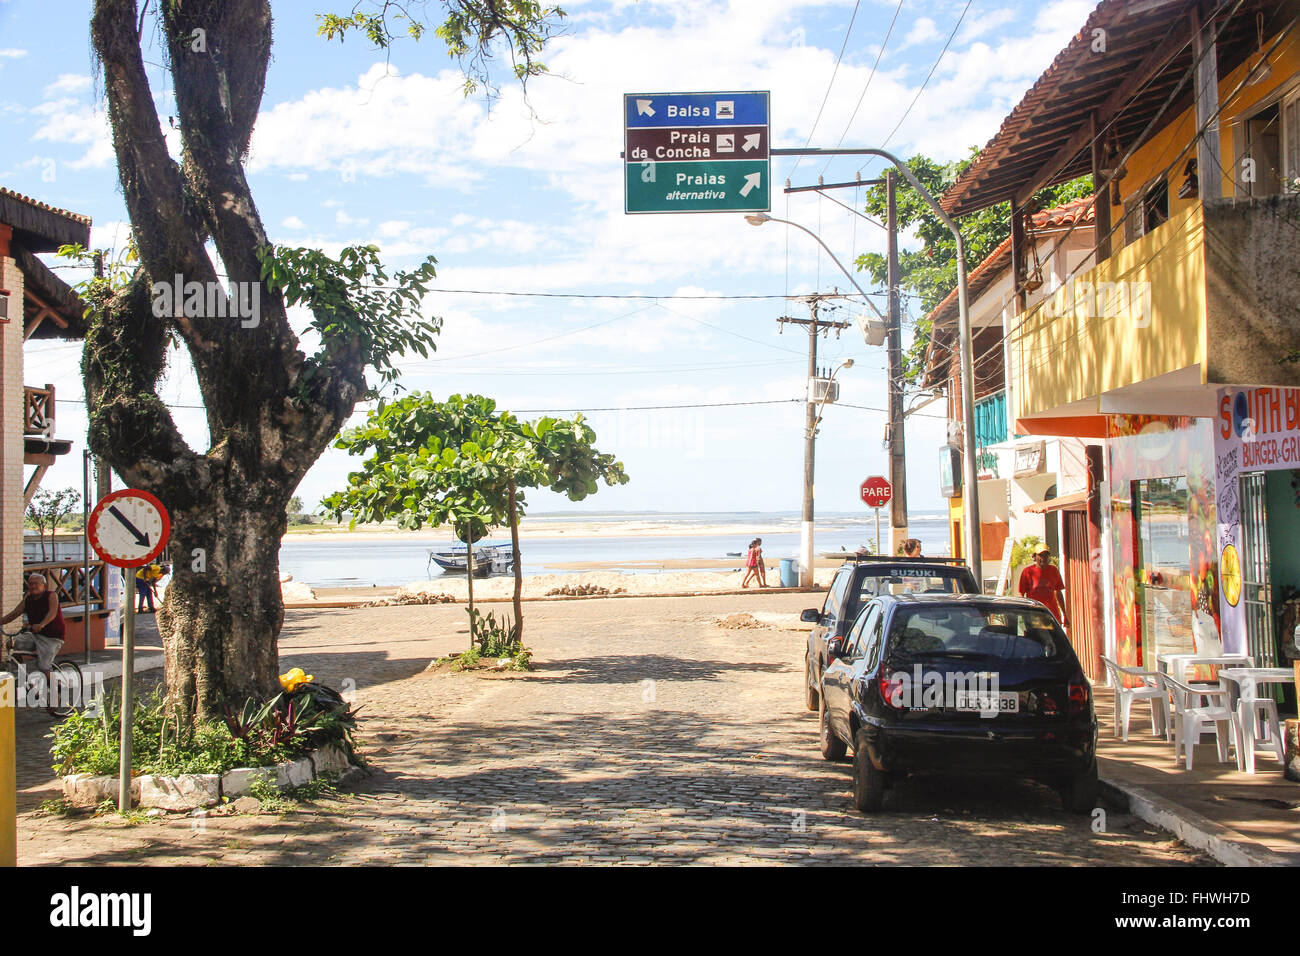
pixel 876 491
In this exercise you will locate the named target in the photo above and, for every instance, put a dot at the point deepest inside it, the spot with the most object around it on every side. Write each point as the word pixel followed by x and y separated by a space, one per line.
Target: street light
pixel 813 417
pixel 970 492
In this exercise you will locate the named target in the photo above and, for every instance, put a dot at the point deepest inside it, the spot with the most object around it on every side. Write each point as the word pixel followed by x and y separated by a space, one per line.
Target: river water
pixel 337 561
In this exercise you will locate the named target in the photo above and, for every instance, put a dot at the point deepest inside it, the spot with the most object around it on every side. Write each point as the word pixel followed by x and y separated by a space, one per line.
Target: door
pixel 1164 567
pixel 837 681
pixel 1256 584
pixel 1078 593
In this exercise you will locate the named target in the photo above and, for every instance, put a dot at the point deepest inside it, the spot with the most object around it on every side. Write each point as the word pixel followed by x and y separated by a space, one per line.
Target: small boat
pixel 488 559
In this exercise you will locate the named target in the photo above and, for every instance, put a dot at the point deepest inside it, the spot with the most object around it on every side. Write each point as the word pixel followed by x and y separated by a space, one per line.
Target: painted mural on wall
pixel 1146 449
pixel 1258 429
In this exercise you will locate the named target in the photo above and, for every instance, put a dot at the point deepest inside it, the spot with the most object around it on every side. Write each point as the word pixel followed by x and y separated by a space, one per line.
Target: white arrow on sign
pixel 752 182
pixel 643 108
pixel 751 142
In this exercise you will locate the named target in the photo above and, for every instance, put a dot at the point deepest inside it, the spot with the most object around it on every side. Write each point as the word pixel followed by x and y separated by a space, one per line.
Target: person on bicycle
pixel 45 631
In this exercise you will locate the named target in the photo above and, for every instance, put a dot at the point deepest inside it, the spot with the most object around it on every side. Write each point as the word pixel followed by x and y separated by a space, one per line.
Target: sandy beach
pixel 540 586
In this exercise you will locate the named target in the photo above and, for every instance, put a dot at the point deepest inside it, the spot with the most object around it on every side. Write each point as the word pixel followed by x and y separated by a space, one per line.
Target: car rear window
pixel 910 580
pixel 975 631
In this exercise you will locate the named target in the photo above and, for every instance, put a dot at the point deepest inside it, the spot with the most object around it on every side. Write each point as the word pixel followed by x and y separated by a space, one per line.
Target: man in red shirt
pixel 1041 582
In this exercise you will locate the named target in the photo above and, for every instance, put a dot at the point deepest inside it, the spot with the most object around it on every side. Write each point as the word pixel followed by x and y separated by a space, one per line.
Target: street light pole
pixel 811 417
pixel 970 484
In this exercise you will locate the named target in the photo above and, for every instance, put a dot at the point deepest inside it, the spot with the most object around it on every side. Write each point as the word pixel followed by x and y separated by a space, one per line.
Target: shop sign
pixel 1031 459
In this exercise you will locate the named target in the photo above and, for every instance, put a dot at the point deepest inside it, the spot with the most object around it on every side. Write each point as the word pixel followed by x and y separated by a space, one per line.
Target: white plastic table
pixel 1175 665
pixel 1242 684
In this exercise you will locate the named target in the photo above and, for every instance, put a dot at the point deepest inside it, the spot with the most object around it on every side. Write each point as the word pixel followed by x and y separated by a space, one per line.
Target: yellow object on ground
pixel 292 680
pixel 8 774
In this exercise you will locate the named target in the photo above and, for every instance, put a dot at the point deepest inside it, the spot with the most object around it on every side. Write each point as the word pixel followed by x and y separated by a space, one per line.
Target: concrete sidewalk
pixel 107 664
pixel 1240 819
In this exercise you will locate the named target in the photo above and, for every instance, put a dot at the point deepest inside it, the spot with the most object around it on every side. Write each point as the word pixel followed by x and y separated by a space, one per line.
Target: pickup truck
pixel 860 579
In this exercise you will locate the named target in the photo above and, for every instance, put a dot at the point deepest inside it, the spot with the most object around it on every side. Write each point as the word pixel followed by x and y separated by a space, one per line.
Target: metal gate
pixel 1078 593
pixel 1256 589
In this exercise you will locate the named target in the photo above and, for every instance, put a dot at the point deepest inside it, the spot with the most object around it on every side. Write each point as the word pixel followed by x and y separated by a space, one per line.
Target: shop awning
pixel 1078 501
pixel 1064 426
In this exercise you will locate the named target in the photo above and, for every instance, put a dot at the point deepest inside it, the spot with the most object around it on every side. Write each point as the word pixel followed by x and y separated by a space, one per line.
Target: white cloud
pixel 294 223
pixel 923 31
pixel 68 84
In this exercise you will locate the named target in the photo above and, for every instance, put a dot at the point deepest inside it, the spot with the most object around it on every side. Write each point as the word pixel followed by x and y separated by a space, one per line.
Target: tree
pixel 47 511
pixel 462 462
pixel 931 271
pixel 271 408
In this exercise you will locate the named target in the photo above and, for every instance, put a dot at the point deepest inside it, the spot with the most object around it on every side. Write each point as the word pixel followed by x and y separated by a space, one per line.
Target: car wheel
pixel 1079 793
pixel 868 783
pixel 811 698
pixel 832 747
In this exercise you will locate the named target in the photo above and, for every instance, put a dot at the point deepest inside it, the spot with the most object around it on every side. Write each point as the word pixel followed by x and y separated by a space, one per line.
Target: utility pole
pixel 815 325
pixel 897 447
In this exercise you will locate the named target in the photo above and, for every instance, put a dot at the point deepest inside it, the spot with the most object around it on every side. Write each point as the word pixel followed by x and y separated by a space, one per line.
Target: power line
pixel 843 46
pixel 867 85
pixel 928 76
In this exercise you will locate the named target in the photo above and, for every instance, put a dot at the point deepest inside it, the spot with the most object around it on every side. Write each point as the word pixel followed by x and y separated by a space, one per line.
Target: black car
pixel 962 684
pixel 859 580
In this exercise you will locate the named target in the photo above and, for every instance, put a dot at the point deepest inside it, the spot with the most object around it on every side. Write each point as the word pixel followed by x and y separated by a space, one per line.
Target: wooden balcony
pixel 38 411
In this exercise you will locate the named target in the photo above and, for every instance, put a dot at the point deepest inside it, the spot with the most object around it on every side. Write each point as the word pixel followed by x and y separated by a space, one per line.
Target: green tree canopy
pixel 465 463
pixel 930 272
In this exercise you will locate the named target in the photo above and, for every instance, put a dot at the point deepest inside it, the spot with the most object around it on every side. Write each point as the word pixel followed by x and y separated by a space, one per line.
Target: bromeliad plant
pixel 304 716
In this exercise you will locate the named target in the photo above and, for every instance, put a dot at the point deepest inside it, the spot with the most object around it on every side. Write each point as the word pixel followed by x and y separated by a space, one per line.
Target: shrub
pixel 259 735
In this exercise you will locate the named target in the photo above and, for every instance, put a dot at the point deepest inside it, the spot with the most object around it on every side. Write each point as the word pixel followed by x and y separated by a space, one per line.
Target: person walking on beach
pixel 912 548
pixel 754 565
pixel 1041 582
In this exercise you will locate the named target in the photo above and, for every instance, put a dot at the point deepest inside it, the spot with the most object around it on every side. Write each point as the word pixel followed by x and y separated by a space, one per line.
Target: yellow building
pixel 1180 342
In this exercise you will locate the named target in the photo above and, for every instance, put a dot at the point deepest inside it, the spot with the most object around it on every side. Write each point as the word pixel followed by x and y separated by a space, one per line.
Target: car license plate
pixel 1007 702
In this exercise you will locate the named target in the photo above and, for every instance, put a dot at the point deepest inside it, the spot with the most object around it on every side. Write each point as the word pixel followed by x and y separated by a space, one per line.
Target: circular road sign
pixel 128 529
pixel 876 491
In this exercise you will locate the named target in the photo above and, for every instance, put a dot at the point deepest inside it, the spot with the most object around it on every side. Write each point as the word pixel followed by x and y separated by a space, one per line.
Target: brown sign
pixel 669 144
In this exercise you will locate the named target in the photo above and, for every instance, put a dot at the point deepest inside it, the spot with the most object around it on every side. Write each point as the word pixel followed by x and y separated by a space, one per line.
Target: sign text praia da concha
pixel 696 152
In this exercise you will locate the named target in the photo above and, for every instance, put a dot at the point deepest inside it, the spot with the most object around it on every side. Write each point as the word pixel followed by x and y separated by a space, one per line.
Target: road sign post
pixel 696 152
pixel 128 529
pixel 875 493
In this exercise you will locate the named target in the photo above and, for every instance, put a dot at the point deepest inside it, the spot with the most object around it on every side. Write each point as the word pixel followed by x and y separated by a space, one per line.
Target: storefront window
pixel 1164 566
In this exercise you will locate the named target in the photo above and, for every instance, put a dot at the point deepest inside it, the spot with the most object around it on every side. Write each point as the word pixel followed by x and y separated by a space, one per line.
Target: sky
pixel 524 194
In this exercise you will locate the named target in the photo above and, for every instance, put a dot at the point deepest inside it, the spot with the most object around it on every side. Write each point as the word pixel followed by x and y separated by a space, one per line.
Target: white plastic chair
pixel 1149 689
pixel 1246 724
pixel 1193 711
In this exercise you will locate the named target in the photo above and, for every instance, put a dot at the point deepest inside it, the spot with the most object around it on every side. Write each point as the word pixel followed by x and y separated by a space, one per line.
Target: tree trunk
pixel 517 633
pixel 223 610
pixel 271 410
pixel 469 575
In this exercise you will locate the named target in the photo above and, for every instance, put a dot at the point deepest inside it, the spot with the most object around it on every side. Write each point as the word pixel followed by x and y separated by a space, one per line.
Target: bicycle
pixel 62 692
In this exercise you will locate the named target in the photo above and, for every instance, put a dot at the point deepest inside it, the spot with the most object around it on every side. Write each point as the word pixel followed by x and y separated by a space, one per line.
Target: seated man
pixel 45 632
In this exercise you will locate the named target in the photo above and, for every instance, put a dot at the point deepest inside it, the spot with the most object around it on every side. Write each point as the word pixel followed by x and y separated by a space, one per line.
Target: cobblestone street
pixel 647 733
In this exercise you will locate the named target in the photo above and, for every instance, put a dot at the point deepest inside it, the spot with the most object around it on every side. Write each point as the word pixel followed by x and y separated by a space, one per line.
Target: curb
pixel 1222 843
pixel 110 670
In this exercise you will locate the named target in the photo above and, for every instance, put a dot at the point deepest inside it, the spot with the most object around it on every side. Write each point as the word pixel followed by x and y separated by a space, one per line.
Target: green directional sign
pixel 696 152
pixel 726 186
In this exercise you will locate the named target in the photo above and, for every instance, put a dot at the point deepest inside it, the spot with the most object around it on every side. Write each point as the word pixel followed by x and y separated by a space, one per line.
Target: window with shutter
pixel 1291 140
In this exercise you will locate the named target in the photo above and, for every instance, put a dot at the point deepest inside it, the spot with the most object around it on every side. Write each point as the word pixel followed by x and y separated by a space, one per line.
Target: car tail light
pixel 1080 696
pixel 889 689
